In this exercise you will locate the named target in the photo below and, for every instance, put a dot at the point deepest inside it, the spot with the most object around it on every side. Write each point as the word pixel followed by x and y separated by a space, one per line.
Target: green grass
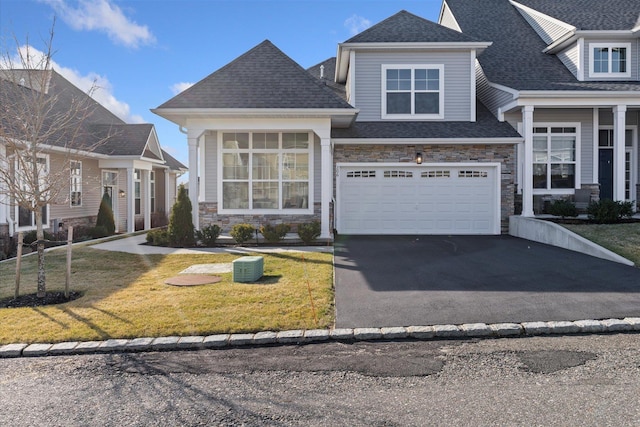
pixel 623 239
pixel 124 296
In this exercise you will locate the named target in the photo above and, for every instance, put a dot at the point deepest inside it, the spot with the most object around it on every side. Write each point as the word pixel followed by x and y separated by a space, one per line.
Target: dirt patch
pixel 32 300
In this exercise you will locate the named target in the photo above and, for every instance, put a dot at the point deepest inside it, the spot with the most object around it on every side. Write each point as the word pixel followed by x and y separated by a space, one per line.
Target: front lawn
pixel 623 239
pixel 124 296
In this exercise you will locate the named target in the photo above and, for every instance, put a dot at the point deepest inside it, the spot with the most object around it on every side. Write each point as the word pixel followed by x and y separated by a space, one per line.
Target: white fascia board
pixel 125 162
pixel 570 38
pixel 562 99
pixel 56 149
pixel 154 141
pixel 479 46
pixel 254 112
pixel 442 9
pixel 503 88
pixel 425 141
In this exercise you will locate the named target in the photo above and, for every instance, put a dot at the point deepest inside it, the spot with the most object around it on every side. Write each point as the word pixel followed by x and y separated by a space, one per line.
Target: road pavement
pixel 561 380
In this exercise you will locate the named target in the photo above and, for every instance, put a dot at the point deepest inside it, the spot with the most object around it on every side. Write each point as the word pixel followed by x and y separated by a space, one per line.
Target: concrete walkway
pixel 134 245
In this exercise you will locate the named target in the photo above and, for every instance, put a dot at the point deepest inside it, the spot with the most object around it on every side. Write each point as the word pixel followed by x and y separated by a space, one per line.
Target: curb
pixel 222 341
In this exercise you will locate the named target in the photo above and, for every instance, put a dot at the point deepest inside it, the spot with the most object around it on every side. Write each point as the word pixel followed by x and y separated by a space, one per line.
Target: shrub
pixel 30 237
pixel 308 232
pixel 242 232
pixel 609 211
pixel 181 230
pixel 158 237
pixel 98 232
pixel 209 234
pixel 563 208
pixel 105 216
pixel 274 233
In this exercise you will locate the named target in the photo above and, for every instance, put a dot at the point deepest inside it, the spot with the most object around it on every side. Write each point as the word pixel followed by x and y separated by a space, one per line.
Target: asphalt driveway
pixel 427 280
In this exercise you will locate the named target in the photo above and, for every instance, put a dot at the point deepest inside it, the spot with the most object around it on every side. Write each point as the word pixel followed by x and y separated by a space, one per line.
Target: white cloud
pixel 356 24
pixel 101 86
pixel 179 87
pixel 104 16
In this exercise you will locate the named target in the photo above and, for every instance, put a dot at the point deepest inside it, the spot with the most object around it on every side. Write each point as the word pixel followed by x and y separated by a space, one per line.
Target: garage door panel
pixel 427 200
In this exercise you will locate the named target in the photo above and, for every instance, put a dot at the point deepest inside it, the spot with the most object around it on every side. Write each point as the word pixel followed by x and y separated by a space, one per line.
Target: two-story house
pixel 566 74
pixel 388 137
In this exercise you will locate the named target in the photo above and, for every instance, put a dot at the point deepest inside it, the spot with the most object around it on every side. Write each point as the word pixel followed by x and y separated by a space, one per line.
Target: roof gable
pixel 590 14
pixel 405 27
pixel 263 77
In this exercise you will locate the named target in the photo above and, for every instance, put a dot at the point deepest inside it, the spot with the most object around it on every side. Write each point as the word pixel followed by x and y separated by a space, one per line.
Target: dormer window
pixel 412 91
pixel 610 60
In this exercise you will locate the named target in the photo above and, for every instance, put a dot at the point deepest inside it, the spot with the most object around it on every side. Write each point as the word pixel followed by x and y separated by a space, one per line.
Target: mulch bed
pixel 32 300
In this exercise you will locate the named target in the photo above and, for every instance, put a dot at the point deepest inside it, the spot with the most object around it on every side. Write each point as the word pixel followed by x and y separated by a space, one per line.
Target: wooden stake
pixel 68 278
pixel 18 262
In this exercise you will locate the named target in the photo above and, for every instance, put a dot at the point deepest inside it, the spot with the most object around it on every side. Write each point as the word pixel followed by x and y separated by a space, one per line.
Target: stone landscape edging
pixel 222 341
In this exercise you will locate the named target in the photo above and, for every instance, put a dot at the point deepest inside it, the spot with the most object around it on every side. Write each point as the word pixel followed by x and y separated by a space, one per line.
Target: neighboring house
pixel 123 160
pixel 415 127
pixel 566 74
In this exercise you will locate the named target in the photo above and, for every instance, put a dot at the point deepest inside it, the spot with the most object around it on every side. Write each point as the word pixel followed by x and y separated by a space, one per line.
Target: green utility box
pixel 248 268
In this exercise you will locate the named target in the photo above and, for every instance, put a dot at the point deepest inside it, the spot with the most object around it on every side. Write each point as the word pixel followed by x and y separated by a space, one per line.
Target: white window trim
pixel 280 211
pixel 152 190
pixel 593 46
pixel 578 174
pixel 45 225
pixel 413 116
pixel 71 176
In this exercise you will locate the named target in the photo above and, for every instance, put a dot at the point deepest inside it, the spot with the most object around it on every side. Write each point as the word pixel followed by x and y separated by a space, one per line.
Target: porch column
pixel 146 181
pixel 193 181
pixel 167 199
pixel 327 186
pixel 619 112
pixel 527 178
pixel 131 202
pixel 4 199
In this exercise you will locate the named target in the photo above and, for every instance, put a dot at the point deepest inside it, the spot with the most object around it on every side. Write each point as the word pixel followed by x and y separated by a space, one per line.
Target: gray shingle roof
pixel 405 27
pixel 591 14
pixel 329 76
pixel 515 59
pixel 485 126
pixel 100 131
pixel 263 77
pixel 172 162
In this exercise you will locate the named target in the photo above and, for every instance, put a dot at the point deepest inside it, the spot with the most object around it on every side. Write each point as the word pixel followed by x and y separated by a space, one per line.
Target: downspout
pixel 12 226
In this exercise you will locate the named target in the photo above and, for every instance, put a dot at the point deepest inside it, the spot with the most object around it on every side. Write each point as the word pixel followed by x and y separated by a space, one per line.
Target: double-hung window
pixel 137 184
pixel 26 177
pixel 610 60
pixel 152 185
pixel 554 157
pixel 266 170
pixel 412 91
pixel 75 168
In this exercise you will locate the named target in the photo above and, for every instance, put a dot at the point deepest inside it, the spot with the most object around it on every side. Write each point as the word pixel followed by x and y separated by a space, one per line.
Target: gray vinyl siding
pixel 91 189
pixel 583 116
pixel 457 81
pixel 210 168
pixel 491 97
pixel 635 58
pixel 570 58
pixel 548 30
pixel 448 20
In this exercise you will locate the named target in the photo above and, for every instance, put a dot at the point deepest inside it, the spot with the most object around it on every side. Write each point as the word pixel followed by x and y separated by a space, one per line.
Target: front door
pixel 110 186
pixel 605 172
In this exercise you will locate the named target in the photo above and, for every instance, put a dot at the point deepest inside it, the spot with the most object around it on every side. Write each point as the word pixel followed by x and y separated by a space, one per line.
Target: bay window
pixel 265 170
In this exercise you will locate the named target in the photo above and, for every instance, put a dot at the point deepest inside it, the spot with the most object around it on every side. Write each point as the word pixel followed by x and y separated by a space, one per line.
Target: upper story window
pixel 412 91
pixel 76 182
pixel 610 60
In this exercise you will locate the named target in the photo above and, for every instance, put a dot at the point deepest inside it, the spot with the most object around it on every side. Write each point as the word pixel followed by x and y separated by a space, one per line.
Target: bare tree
pixel 35 122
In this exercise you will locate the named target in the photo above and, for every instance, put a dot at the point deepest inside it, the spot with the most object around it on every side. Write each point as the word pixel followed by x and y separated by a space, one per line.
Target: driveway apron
pixel 427 280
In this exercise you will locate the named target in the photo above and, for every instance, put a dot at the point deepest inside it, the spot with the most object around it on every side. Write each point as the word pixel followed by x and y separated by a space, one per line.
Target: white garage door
pixel 418 199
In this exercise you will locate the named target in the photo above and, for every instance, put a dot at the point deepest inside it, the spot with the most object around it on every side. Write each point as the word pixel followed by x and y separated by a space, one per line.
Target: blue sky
pixel 141 52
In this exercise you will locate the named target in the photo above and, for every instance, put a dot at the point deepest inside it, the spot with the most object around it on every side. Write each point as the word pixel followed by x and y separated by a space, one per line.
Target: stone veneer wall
pixel 502 153
pixel 85 221
pixel 209 215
